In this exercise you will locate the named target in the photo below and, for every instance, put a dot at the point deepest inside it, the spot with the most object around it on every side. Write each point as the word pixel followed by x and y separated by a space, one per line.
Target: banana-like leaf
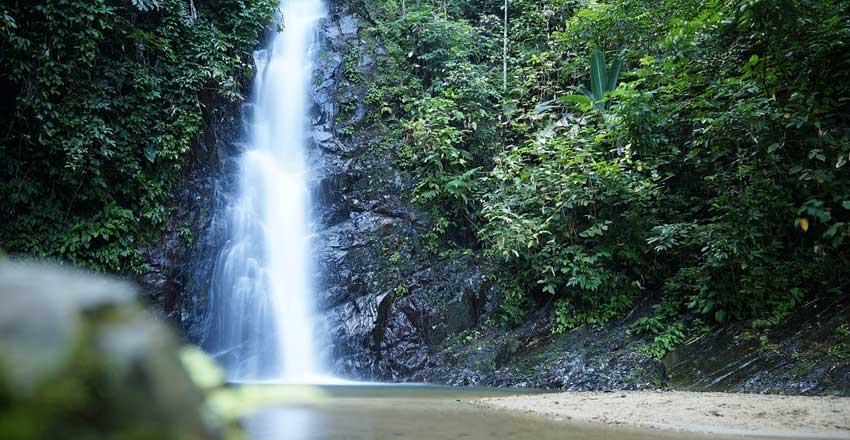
pixel 598 74
pixel 614 74
pixel 542 108
pixel 576 99
pixel 586 93
pixel 147 5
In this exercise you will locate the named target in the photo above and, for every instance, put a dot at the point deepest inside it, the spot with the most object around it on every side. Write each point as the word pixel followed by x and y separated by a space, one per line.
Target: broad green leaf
pixel 147 5
pixel 598 74
pixel 576 99
pixel 541 108
pixel 150 153
pixel 833 230
pixel 613 74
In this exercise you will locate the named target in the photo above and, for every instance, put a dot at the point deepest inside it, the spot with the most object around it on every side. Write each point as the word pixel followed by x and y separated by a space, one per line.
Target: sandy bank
pixel 718 413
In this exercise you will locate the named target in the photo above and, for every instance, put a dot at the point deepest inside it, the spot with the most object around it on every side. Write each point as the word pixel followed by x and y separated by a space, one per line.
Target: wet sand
pixel 713 413
pixel 416 412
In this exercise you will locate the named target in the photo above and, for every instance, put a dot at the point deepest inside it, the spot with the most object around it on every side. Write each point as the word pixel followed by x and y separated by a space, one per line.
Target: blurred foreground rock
pixel 80 359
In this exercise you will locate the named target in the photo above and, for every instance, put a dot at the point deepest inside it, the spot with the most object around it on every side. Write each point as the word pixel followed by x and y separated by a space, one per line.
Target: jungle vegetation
pixel 102 103
pixel 694 152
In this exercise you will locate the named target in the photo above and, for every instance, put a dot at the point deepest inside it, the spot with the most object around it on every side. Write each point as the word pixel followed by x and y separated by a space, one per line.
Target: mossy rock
pixel 81 359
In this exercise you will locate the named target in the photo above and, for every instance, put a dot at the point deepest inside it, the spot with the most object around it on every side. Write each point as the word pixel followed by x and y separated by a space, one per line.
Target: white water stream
pixel 261 320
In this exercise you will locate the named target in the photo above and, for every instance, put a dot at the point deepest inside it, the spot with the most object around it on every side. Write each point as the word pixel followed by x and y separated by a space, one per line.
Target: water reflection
pixel 379 412
pixel 284 424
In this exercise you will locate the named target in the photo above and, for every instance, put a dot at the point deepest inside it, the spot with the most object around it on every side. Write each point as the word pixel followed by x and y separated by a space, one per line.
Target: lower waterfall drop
pixel 260 307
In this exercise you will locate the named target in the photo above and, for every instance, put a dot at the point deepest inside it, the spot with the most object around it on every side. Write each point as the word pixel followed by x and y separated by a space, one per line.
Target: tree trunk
pixel 505 52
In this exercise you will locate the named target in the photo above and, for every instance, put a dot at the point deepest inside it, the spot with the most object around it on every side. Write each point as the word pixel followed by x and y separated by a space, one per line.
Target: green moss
pixel 351 66
pixel 400 292
pixel 802 369
pixel 185 234
pixel 841 349
pixel 346 111
pixel 74 402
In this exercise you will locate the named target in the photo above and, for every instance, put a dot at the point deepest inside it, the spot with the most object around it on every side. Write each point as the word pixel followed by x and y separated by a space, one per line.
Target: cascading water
pixel 260 319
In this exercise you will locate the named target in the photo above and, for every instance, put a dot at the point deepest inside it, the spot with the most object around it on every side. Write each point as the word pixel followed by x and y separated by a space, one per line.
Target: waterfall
pixel 260 311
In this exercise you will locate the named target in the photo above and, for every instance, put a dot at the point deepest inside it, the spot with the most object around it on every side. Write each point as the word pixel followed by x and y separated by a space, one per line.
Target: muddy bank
pixel 715 413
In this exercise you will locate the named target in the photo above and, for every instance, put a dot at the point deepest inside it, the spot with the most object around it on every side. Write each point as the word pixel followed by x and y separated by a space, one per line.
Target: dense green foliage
pixel 101 103
pixel 714 176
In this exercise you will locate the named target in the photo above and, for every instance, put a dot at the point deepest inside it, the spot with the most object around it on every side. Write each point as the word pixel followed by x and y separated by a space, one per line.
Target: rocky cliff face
pixel 806 353
pixel 392 311
pixel 384 301
pixel 181 263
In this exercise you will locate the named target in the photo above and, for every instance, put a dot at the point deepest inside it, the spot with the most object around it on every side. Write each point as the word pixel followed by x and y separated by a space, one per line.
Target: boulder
pixel 82 359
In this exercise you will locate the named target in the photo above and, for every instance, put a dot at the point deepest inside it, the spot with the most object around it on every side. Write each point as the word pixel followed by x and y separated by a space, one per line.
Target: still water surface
pixel 384 412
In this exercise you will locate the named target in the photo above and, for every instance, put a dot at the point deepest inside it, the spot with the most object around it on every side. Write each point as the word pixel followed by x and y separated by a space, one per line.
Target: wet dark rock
pixel 182 261
pixel 808 353
pixel 530 356
pixel 389 307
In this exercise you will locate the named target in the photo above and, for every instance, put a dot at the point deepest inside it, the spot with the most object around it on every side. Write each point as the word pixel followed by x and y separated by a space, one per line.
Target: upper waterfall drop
pixel 260 307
